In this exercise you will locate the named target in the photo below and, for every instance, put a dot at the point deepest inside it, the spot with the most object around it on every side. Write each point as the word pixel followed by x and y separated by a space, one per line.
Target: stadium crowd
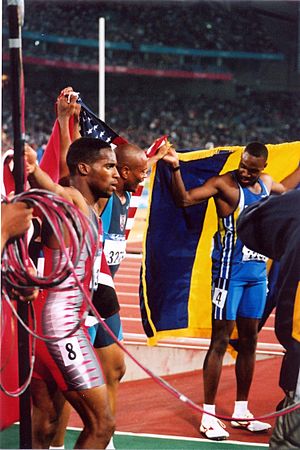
pixel 199 25
pixel 192 123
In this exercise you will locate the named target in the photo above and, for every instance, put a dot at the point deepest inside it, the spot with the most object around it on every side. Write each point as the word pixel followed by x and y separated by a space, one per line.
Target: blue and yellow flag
pixel 176 267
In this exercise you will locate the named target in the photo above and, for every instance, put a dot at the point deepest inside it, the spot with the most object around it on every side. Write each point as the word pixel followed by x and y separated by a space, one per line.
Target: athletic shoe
pixel 110 445
pixel 214 429
pixel 251 425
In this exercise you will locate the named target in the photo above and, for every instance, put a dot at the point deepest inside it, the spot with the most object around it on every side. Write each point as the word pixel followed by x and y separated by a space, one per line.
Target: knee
pixel 45 431
pixel 105 428
pixel 219 345
pixel 248 344
pixel 115 373
pixel 121 369
pixel 110 427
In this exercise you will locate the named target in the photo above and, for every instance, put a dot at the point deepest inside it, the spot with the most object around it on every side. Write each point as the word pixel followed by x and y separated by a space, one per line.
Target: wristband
pixel 174 169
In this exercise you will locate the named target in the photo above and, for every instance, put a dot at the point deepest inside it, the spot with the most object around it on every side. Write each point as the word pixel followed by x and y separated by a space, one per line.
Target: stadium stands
pixel 191 120
pixel 202 25
pixel 271 118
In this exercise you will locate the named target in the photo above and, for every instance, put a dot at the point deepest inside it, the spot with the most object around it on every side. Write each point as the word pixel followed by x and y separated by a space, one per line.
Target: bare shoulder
pixel 228 194
pixel 271 185
pixel 227 187
pixel 101 203
pixel 219 183
pixel 75 197
pixel 225 180
pixel 267 180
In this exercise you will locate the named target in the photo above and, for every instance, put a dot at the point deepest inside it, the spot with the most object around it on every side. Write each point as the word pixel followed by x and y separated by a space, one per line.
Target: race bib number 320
pixel 115 251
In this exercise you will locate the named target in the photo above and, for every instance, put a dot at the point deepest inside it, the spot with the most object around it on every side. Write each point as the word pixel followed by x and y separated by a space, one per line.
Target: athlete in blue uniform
pixel 114 218
pixel 235 266
pixel 239 278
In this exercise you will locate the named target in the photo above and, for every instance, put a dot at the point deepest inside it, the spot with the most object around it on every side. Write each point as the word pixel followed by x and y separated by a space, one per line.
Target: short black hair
pixel 86 150
pixel 257 149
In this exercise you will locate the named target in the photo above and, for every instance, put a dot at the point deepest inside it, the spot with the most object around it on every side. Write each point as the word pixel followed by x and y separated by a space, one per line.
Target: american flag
pixel 92 126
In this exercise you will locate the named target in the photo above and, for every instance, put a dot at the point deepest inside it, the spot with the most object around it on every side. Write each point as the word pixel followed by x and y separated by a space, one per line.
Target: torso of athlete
pixel 114 218
pixel 71 361
pixel 231 260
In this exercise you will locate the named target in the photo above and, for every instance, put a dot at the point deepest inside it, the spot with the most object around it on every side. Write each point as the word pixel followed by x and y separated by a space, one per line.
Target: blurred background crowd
pixel 206 73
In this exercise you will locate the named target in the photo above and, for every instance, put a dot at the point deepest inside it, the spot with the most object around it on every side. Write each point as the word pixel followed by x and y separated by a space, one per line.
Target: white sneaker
pixel 251 425
pixel 214 429
pixel 110 445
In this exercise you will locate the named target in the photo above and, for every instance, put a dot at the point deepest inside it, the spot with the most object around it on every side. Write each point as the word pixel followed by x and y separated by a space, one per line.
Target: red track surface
pixel 144 407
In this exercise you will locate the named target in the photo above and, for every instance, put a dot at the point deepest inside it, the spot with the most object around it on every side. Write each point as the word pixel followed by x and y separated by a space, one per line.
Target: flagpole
pixel 15 18
pixel 102 68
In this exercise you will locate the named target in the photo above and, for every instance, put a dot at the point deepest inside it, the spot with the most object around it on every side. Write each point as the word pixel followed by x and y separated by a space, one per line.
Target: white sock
pixel 210 409
pixel 110 445
pixel 240 408
pixel 61 447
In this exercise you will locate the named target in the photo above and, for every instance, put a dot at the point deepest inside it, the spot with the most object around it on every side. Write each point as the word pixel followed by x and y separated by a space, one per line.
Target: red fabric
pixel 152 150
pixel 10 368
pixel 8 178
pixel 9 336
pixel 51 157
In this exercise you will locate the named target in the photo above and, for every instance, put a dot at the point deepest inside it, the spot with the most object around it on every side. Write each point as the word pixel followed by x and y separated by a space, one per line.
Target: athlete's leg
pixel 248 316
pixel 113 366
pixel 111 356
pixel 211 427
pixel 221 331
pixel 85 388
pixel 47 404
pixel 223 320
pixel 244 369
pixel 59 438
pixel 245 362
pixel 93 408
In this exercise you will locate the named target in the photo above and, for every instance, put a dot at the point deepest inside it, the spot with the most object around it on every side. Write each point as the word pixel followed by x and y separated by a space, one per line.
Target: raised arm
pixel 66 108
pixel 196 195
pixel 292 180
pixel 288 183
pixel 40 179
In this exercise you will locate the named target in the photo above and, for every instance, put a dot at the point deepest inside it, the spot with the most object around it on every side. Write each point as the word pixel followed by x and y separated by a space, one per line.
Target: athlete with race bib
pixel 132 165
pixel 239 277
pixel 70 366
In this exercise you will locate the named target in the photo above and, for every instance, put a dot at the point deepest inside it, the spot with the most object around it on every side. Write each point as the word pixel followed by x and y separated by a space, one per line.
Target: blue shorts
pixel 243 295
pixel 246 300
pixel 242 299
pixel 100 337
